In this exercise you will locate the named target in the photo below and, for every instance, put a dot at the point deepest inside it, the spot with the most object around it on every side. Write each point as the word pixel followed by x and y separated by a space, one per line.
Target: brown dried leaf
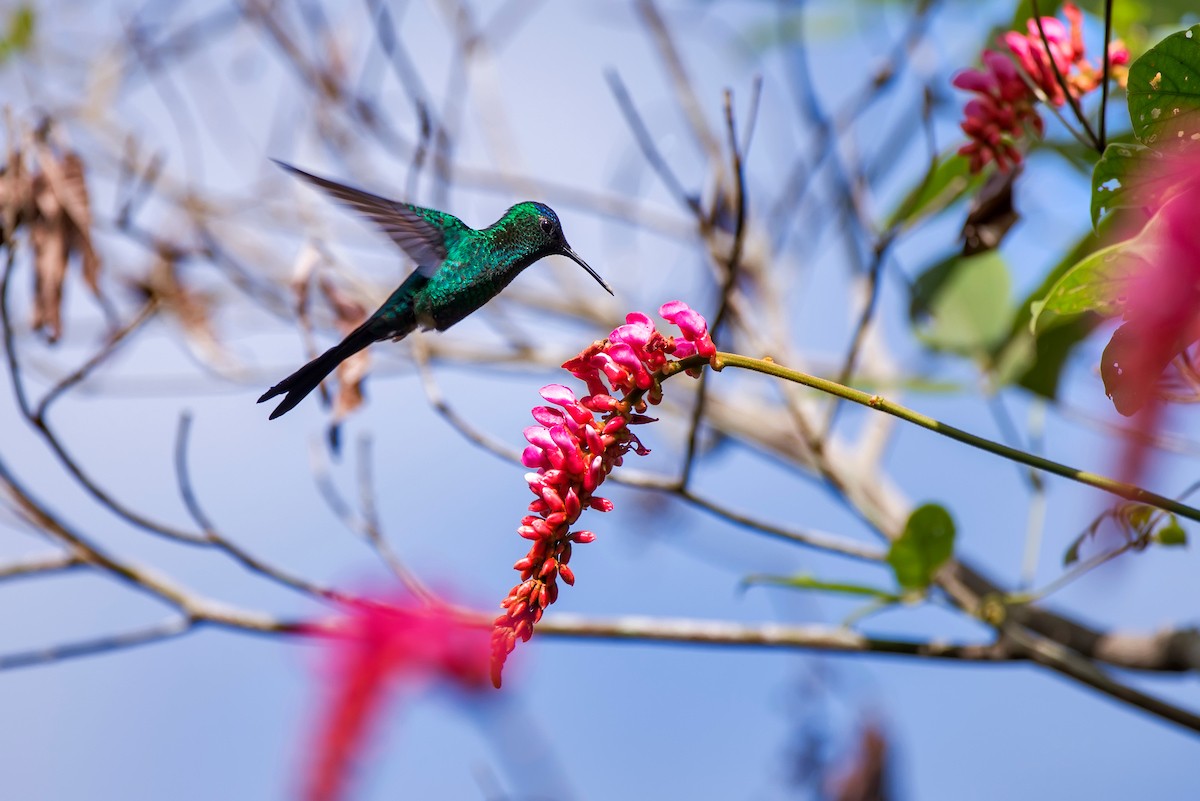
pixel 866 777
pixel 350 374
pixel 307 261
pixel 56 206
pixel 349 314
pixel 992 214
pixel 48 234
pixel 16 195
pixel 65 176
pixel 73 195
pixel 192 310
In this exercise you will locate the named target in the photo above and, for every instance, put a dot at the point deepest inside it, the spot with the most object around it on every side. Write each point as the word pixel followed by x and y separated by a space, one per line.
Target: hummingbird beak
pixel 573 256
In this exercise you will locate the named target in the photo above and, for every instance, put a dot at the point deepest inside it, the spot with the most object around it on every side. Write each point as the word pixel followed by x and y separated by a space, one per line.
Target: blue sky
pixel 221 715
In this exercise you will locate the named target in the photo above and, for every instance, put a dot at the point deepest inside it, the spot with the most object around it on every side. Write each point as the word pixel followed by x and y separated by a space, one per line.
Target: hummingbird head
pixel 549 236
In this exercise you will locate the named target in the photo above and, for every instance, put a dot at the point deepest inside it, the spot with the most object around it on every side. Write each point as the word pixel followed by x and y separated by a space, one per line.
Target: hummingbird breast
pixel 457 290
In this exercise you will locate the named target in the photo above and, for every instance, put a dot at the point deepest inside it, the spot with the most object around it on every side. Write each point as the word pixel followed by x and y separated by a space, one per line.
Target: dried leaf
pixel 65 177
pixel 192 310
pixel 307 261
pixel 992 214
pixel 349 314
pixel 866 778
pixel 55 203
pixel 48 234
pixel 350 374
pixel 16 195
pixel 75 201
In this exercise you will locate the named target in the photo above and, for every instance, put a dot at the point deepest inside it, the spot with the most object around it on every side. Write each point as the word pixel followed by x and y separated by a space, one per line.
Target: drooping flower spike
pixel 575 445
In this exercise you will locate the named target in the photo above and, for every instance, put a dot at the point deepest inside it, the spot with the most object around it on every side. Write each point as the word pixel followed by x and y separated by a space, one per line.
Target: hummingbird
pixel 458 270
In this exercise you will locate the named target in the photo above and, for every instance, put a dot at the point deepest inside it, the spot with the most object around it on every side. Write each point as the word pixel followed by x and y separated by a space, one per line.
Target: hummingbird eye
pixel 547 225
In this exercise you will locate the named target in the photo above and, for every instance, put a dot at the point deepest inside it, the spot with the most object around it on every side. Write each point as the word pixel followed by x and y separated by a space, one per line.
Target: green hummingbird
pixel 458 270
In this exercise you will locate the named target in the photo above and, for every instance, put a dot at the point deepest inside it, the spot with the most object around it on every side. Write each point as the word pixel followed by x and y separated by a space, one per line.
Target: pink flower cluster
pixel 1003 110
pixel 372 648
pixel 576 444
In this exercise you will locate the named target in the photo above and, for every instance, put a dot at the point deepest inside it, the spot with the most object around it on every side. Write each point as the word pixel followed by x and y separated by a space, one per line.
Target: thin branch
pixel 732 267
pixel 715 632
pixel 374 531
pixel 98 358
pixel 191 606
pixel 879 253
pixel 437 401
pixel 645 141
pixel 40 425
pixel 365 524
pixel 685 94
pixel 812 539
pixel 1104 76
pixel 1065 661
pixel 213 538
pixel 428 127
pixel 1111 486
pixel 40 565
pixel 168 629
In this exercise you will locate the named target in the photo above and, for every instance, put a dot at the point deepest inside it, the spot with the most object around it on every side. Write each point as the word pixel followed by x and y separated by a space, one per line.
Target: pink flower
pixel 997 120
pixel 374 647
pixel 574 450
pixel 1161 307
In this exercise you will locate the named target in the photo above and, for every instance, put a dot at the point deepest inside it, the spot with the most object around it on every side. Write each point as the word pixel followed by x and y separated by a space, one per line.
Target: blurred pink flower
pixel 1160 307
pixel 576 445
pixel 371 649
pixel 1008 87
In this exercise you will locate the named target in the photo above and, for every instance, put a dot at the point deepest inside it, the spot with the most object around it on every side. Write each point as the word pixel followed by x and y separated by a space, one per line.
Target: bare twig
pixel 168 629
pixel 40 565
pixel 213 538
pixel 1104 75
pixel 646 143
pixel 685 94
pixel 56 446
pixel 713 632
pixel 732 268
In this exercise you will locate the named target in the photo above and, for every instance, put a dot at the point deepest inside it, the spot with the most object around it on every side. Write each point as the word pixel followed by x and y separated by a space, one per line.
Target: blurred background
pixel 217 274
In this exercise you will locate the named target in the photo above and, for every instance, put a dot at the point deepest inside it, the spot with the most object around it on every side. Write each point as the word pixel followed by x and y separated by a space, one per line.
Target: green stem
pixel 1129 492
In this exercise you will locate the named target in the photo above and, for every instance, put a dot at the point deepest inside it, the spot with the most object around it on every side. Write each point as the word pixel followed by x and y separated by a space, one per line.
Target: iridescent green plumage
pixel 458 270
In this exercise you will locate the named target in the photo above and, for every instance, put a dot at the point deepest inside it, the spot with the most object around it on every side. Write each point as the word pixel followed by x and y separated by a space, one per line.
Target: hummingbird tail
pixel 309 377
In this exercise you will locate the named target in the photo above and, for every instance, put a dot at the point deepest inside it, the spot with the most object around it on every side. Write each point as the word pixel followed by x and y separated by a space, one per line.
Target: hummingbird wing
pixel 421 233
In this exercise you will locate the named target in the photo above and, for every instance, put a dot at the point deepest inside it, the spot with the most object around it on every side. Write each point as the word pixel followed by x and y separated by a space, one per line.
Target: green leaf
pixel 1171 535
pixel 963 304
pixel 1126 176
pixel 948 182
pixel 18 35
pixel 1071 555
pixel 1138 517
pixel 807 582
pixel 1036 363
pixel 925 545
pixel 1164 91
pixel 1098 281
